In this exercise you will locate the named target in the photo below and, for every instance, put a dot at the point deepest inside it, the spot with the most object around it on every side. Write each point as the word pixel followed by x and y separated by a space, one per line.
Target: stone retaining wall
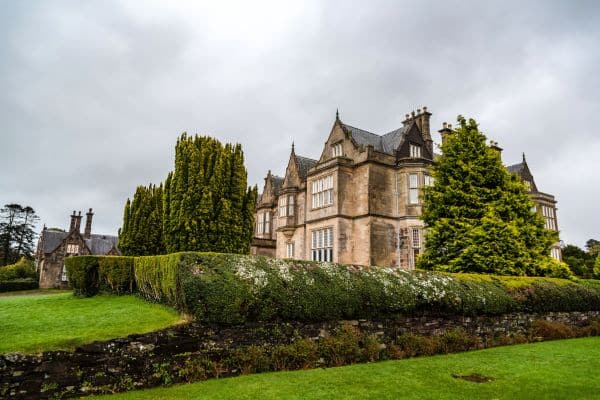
pixel 158 358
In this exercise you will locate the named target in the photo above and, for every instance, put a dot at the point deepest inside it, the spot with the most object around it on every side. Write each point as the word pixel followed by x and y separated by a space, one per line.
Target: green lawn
pixel 61 321
pixel 565 369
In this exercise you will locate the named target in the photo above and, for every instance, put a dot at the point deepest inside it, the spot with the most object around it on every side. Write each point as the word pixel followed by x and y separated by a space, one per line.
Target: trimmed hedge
pixel 90 274
pixel 18 284
pixel 233 289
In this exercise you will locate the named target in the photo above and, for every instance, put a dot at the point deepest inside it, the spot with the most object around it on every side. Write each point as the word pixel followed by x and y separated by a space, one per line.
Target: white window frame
pixel 416 238
pixel 72 248
pixel 415 150
pixel 290 205
pixel 289 249
pixel 337 150
pixel 429 180
pixel 267 221
pixel 63 275
pixel 549 218
pixel 322 245
pixel 283 206
pixel 413 189
pixel 555 253
pixel 322 192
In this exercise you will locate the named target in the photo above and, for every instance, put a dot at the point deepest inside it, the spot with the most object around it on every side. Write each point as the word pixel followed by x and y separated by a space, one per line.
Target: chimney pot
pixel 412 113
pixel 418 111
pixel 407 116
pixel 424 108
pixel 444 124
pixel 88 224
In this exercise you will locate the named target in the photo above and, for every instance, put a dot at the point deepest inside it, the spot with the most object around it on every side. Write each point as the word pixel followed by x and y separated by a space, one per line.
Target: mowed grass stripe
pixel 62 321
pixel 551 370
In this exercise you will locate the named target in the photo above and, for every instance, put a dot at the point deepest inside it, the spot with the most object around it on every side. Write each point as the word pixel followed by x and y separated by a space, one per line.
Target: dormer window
pixel 336 150
pixel 415 151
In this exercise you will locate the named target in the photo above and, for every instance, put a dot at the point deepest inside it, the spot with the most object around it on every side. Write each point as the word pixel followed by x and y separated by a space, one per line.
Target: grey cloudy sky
pixel 94 94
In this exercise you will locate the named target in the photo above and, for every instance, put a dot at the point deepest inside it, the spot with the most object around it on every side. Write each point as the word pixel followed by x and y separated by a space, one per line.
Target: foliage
pixel 478 216
pixel 234 289
pixel 141 233
pixel 18 284
pixel 581 262
pixel 204 205
pixel 90 274
pixel 551 330
pixel 82 273
pixel 61 321
pixel 16 232
pixel 116 274
pixel 23 268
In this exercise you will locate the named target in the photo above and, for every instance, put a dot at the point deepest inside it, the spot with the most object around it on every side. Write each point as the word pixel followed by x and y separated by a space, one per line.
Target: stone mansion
pixel 360 201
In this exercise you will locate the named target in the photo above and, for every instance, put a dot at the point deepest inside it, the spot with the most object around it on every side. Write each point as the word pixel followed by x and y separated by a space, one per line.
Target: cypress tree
pixel 479 217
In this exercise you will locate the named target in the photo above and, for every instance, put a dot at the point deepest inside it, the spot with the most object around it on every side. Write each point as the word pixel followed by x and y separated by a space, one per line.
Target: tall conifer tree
pixel 479 217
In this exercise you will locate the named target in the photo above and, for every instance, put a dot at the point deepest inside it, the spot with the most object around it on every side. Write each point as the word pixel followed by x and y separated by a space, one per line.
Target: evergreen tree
pixel 17 234
pixel 141 233
pixel 479 217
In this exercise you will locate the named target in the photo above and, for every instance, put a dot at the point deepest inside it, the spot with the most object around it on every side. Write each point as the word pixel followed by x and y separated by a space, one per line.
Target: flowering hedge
pixel 232 289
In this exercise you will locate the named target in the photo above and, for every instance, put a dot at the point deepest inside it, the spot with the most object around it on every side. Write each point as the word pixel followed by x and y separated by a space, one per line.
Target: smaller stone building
pixel 55 245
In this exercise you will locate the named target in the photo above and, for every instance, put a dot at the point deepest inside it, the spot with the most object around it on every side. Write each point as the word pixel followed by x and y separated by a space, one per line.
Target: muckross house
pixel 360 201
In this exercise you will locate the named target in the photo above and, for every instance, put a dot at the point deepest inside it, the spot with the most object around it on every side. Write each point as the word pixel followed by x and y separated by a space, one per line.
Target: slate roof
pixel 304 164
pixel 51 239
pixel 98 244
pixel 101 244
pixel 387 143
pixel 277 183
pixel 516 168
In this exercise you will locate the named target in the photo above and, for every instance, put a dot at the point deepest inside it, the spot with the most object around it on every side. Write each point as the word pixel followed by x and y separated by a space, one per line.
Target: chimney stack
pixel 445 131
pixel 88 224
pixel 73 218
pixel 494 146
pixel 78 222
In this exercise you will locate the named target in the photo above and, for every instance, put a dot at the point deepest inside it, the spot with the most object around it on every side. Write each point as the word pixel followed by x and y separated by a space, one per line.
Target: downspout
pixel 398 223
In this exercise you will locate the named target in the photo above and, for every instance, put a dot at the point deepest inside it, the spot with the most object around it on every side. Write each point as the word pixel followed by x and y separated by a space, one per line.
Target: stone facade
pixel 55 245
pixel 360 202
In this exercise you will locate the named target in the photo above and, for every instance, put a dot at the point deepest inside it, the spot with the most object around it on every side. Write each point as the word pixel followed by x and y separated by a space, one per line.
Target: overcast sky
pixel 94 94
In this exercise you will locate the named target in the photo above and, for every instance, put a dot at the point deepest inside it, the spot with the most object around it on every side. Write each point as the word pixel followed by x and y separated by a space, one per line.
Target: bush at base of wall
pixel 18 276
pixel 90 274
pixel 18 284
pixel 234 289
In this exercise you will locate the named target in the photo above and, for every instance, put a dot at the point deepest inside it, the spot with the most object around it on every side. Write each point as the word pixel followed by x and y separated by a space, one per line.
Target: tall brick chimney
pixel 88 224
pixel 73 219
pixel 445 131
pixel 78 222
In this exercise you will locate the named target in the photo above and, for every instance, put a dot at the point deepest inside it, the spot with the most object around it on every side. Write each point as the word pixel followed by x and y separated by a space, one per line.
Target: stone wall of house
pixel 172 355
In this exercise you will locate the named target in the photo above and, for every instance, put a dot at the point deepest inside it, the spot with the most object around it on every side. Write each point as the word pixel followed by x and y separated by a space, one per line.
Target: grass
pixel 33 323
pixel 549 370
pixel 31 292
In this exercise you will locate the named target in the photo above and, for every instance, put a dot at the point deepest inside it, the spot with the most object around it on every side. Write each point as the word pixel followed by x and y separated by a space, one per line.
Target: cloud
pixel 93 95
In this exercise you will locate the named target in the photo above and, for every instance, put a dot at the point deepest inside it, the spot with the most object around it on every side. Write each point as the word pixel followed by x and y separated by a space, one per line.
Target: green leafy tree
pixel 597 267
pixel 578 260
pixel 17 233
pixel 479 217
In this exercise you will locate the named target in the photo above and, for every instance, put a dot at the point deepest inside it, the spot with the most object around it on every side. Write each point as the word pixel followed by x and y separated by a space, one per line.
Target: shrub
pixel 18 284
pixel 457 340
pixel 249 360
pixel 550 330
pixel 22 269
pixel 411 345
pixel 116 274
pixel 300 354
pixel 342 348
pixel 82 272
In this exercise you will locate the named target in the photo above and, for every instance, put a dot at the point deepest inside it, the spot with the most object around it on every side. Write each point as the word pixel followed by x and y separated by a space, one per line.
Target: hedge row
pixel 18 284
pixel 232 289
pixel 90 274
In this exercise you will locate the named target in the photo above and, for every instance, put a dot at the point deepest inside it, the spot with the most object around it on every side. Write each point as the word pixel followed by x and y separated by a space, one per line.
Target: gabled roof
pixel 98 244
pixel 522 170
pixel 387 143
pixel 304 164
pixel 51 239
